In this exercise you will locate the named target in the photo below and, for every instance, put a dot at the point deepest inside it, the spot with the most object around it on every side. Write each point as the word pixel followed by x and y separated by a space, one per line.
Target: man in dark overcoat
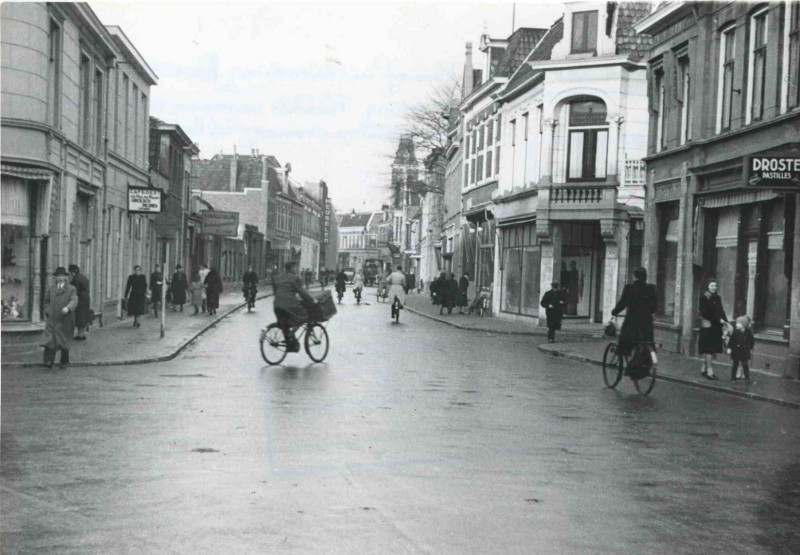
pixel 178 287
pixel 553 302
pixel 289 311
pixel 639 303
pixel 60 301
pixel 83 312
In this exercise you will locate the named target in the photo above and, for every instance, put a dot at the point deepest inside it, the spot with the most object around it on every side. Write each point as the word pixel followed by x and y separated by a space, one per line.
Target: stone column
pixel 792 366
pixel 547 151
pixel 612 165
pixel 685 294
pixel 550 237
pixel 615 237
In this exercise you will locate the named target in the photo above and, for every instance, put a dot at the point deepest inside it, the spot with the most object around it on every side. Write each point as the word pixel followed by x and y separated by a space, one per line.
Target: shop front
pixel 24 261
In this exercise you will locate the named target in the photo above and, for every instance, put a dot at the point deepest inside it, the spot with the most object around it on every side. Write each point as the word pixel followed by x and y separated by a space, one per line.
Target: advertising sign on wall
pixel 774 172
pixel 216 222
pixel 144 200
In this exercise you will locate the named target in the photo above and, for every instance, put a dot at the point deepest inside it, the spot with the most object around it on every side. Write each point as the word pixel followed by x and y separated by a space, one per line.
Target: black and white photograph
pixel 394 277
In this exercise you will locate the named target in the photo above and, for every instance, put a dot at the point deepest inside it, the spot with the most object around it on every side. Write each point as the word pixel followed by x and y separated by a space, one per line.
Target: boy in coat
pixel 553 302
pixel 740 346
pixel 60 301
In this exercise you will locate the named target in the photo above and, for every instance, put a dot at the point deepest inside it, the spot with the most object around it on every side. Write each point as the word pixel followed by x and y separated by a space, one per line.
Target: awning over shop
pixel 735 198
pixel 26 173
pixel 526 219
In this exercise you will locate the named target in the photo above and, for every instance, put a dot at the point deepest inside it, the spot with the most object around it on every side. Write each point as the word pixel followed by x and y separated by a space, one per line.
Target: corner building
pixel 723 88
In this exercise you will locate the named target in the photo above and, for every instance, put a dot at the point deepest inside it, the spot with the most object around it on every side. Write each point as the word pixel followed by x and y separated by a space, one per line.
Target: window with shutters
pixel 726 74
pixel 757 61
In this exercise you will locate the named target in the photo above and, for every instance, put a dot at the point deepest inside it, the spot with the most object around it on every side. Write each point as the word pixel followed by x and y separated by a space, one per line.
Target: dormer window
pixel 584 32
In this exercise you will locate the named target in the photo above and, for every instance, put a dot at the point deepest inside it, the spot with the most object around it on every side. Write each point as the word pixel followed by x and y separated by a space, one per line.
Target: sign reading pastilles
pixel 144 200
pixel 774 172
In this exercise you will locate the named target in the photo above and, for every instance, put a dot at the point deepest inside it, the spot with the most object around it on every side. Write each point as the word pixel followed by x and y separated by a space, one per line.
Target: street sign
pixel 144 200
pixel 774 172
pixel 216 222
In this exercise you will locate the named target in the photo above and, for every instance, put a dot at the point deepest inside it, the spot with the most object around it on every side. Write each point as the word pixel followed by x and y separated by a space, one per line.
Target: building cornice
pixel 478 94
pixel 659 18
pixel 83 12
pixel 130 51
pixel 577 63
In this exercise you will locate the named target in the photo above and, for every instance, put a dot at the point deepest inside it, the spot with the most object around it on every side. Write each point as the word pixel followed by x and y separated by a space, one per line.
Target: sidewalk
pixel 118 342
pixel 685 370
pixel 572 329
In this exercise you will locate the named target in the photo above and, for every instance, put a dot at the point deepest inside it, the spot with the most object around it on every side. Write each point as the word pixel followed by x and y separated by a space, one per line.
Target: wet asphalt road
pixel 411 438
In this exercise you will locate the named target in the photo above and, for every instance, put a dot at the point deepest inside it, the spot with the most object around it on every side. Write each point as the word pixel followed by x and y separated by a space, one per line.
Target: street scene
pixel 390 277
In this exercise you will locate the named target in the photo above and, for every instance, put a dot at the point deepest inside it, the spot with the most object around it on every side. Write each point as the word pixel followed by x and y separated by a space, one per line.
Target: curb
pixel 149 360
pixel 533 333
pixel 682 381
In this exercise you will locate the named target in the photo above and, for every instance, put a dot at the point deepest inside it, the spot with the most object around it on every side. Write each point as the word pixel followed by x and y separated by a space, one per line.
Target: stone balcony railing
pixel 634 174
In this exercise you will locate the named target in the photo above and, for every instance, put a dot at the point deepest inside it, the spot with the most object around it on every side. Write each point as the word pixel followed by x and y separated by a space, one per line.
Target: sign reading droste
pixel 143 200
pixel 220 223
pixel 774 172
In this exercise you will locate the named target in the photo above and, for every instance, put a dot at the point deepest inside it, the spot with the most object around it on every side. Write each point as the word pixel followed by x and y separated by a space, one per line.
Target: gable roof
pixel 541 51
pixel 357 219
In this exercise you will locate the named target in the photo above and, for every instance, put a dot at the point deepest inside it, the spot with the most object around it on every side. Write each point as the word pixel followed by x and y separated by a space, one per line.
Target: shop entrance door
pixel 578 263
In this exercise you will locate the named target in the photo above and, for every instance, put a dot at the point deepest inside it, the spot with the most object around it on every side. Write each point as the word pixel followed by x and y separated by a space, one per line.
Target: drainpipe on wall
pixel 103 239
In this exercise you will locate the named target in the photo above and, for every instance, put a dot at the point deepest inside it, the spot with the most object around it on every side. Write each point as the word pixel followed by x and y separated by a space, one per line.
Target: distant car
pixel 350 273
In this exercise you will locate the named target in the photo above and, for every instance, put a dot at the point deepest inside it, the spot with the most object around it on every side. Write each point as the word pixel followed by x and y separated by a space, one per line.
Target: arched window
pixel 588 140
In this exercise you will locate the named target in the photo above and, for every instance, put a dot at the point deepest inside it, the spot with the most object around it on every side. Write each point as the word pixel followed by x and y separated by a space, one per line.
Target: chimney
pixel 467 82
pixel 234 164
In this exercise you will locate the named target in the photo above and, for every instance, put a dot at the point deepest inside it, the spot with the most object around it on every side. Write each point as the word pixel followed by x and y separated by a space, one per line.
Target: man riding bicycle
pixel 250 285
pixel 639 302
pixel 288 309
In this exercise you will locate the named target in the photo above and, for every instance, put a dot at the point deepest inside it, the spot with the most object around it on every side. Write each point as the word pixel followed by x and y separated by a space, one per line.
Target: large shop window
pixel 774 310
pixel 667 258
pixel 588 141
pixel 521 270
pixel 16 265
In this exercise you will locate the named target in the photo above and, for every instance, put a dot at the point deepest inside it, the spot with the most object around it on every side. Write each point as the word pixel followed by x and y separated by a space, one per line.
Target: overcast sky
pixel 322 85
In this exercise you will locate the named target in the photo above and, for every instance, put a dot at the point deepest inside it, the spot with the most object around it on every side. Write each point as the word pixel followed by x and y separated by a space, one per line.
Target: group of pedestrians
pixel 448 293
pixel 203 292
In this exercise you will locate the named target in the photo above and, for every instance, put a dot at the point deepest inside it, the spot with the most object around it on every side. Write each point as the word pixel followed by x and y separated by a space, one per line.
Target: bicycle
pixel 616 365
pixel 274 348
pixel 357 293
pixel 250 297
pixel 383 293
pixel 396 310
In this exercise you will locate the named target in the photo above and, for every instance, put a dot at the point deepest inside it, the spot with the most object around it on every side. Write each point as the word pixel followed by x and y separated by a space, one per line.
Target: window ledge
pixel 768 336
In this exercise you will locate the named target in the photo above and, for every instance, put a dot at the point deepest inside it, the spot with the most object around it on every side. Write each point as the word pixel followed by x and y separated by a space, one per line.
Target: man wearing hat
pixel 178 287
pixel 553 302
pixel 60 301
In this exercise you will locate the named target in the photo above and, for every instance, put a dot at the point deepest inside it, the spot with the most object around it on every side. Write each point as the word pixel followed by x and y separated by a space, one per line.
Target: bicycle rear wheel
pixel 612 366
pixel 645 384
pixel 273 344
pixel 316 342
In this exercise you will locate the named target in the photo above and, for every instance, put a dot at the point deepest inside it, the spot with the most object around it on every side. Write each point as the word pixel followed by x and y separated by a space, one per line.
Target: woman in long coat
pixel 639 302
pixel 712 316
pixel 443 290
pixel 83 313
pixel 60 301
pixel 136 294
pixel 463 289
pixel 178 287
pixel 213 285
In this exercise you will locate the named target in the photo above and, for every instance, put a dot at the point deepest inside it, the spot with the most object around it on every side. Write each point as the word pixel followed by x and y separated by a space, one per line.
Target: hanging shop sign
pixel 216 222
pixel 774 172
pixel 144 200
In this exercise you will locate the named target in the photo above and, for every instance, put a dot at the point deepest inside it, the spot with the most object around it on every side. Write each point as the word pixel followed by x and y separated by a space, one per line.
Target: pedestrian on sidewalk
pixel 444 293
pixel 156 285
pixel 639 302
pixel 203 274
pixel 178 287
pixel 740 347
pixel 60 301
pixel 213 285
pixel 136 294
pixel 435 288
pixel 83 312
pixel 197 292
pixel 463 289
pixel 712 317
pixel 553 302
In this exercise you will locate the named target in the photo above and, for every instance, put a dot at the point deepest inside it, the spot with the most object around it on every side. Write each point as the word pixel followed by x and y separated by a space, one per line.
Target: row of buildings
pixel 625 135
pixel 90 177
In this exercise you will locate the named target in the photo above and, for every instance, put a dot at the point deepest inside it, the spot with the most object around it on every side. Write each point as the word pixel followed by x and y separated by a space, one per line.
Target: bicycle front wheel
pixel 645 384
pixel 273 344
pixel 316 342
pixel 612 366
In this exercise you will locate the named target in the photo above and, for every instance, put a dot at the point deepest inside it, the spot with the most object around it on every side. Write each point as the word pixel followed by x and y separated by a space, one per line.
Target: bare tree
pixel 427 121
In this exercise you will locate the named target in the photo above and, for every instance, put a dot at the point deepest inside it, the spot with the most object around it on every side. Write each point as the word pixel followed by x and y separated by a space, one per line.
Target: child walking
pixel 740 346
pixel 196 292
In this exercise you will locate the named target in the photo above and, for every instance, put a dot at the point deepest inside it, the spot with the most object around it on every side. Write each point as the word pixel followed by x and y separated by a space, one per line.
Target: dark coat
pixel 710 339
pixel 463 289
pixel 639 303
pixel 435 294
pixel 557 299
pixel 286 287
pixel 136 293
pixel 741 344
pixel 341 282
pixel 448 291
pixel 249 278
pixel 213 285
pixel 156 284
pixel 178 287
pixel 59 327
pixel 83 312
